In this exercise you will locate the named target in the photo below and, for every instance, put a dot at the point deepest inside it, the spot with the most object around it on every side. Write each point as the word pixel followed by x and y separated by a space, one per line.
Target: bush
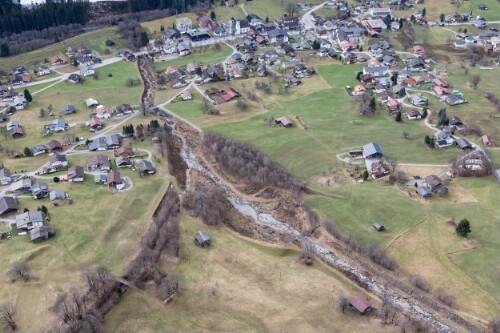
pixel 56 179
pixel 19 270
pixel 463 228
pixel 419 282
pixel 446 299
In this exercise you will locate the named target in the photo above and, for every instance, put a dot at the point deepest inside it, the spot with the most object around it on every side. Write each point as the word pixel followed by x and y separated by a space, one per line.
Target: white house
pixel 184 24
pixel 87 71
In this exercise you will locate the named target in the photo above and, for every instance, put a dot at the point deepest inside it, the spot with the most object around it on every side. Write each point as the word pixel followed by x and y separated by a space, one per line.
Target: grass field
pixel 274 9
pixel 100 227
pixel 257 288
pixel 435 8
pixel 167 22
pixel 94 40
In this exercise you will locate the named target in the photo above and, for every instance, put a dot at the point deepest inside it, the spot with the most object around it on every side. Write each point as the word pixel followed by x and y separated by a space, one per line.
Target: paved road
pixel 307 18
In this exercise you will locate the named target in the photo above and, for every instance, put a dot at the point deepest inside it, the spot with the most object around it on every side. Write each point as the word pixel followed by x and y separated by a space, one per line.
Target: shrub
pixel 419 282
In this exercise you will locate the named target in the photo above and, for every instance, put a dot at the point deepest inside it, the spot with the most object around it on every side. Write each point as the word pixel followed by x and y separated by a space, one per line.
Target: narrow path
pixel 242 6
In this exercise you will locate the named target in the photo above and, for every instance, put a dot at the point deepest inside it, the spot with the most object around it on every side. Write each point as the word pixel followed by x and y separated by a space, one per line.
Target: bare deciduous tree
pixel 494 325
pixel 474 81
pixel 7 314
pixel 419 282
pixel 343 303
pixel 169 286
pixel 307 253
pixel 19 270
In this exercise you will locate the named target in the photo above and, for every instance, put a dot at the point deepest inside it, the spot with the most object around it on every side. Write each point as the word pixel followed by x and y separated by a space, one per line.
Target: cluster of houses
pixel 373 155
pixel 11 100
pixel 428 186
pixel 488 39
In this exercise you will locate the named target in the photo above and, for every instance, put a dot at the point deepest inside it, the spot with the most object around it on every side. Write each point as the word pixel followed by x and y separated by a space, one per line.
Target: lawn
pixel 100 227
pixel 167 22
pixel 94 40
pixel 256 288
pixel 435 8
pixel 274 9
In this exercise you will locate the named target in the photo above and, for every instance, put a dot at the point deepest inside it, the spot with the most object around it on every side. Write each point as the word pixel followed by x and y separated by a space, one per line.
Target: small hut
pixel 378 226
pixel 360 304
pixel 202 239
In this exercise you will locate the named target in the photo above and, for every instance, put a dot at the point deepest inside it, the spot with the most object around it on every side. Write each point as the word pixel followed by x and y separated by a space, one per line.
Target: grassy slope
pixel 99 227
pixel 435 8
pixel 94 40
pixel 258 288
pixel 203 55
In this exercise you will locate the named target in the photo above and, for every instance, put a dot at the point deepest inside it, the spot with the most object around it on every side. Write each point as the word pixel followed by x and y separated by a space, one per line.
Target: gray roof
pixel 424 191
pixel 201 237
pixel 39 186
pixel 33 216
pixel 463 144
pixel 372 149
pixel 7 204
pixel 75 171
pixel 4 172
pixel 40 233
pixel 433 180
pixel 68 108
pixel 145 166
pixel 57 194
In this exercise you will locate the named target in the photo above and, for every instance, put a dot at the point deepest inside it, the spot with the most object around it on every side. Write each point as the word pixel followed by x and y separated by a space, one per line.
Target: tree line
pixel 16 18
pixel 247 163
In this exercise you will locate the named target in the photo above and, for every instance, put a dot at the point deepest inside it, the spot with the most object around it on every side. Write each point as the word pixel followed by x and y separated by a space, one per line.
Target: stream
pixel 266 219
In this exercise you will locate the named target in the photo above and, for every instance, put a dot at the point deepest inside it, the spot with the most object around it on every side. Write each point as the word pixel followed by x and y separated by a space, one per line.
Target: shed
pixel 283 121
pixel 360 304
pixel 201 239
pixel 378 226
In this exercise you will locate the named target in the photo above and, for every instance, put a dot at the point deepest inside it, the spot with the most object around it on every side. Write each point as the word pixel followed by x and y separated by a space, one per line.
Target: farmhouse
pixel 96 162
pixel 57 195
pixel 28 221
pixel 123 161
pixel 124 152
pixel 113 178
pixel 413 114
pixel 58 125
pixel 39 149
pixel 75 174
pixel 111 141
pixel 454 99
pixel 40 234
pixel 103 112
pixel 372 150
pixel 360 304
pixel 145 167
pixel 54 146
pixel 183 24
pixel 7 205
pixel 57 162
pixel 21 186
pixel 56 60
pixel 39 190
pixel 95 124
pixel 444 139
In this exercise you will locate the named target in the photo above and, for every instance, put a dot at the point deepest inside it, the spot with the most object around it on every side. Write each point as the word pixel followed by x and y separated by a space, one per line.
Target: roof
pixel 68 108
pixel 7 204
pixel 57 194
pixel 284 121
pixel 4 172
pixel 54 144
pixel 463 144
pixel 359 303
pixel 424 191
pixel 201 237
pixel 113 177
pixel 372 149
pixel 34 216
pixel 433 180
pixel 97 160
pixel 75 171
pixel 145 166
pixel 43 232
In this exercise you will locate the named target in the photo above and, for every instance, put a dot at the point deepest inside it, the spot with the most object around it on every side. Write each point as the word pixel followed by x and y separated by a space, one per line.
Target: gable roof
pixel 359 303
pixel 7 205
pixel 372 149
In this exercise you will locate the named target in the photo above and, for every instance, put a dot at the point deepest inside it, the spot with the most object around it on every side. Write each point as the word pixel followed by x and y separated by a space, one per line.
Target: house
pixel 201 239
pixel 376 25
pixel 40 190
pixel 19 102
pixel 454 99
pixel 463 144
pixel 360 304
pixel 124 152
pixel 183 24
pixel 54 146
pixel 95 124
pixel 399 90
pixel 283 122
pixel 145 167
pixel 87 71
pixel 39 149
pixel 228 94
pixel 43 70
pixel 178 83
pixel 57 162
pixel 359 90
pixel 424 192
pixel 56 60
pixel 5 177
pixel 68 109
pixel 75 174
pixel 378 169
pixel 113 178
pixel 186 95
pixel 91 103
pixel 124 109
pixel 28 221
pixel 103 112
pixel 393 105
pixel 75 78
pixel 486 141
pixel 372 150
pixel 379 12
pixel 432 182
pixel 105 142
pixel 277 36
pixel 378 226
pixel 456 121
pixel 58 125
pixel 57 195
pixel 98 162
pixel 413 114
pixel 21 186
pixel 40 234
pixel 419 100
pixel 123 162
pixel 16 132
pixel 444 139
pixel 7 205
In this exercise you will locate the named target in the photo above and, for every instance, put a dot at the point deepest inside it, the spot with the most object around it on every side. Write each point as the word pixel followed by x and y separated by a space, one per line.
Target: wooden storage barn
pixel 378 226
pixel 360 304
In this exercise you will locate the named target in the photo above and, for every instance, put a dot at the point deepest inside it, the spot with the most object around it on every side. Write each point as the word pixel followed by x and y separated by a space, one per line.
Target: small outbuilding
pixel 283 122
pixel 378 226
pixel 360 304
pixel 202 239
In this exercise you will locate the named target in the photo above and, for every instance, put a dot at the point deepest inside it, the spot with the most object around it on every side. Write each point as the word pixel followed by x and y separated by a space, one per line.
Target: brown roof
pixel 94 121
pixel 433 180
pixel 360 304
pixel 124 151
pixel 114 177
pixel 97 160
pixel 54 144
